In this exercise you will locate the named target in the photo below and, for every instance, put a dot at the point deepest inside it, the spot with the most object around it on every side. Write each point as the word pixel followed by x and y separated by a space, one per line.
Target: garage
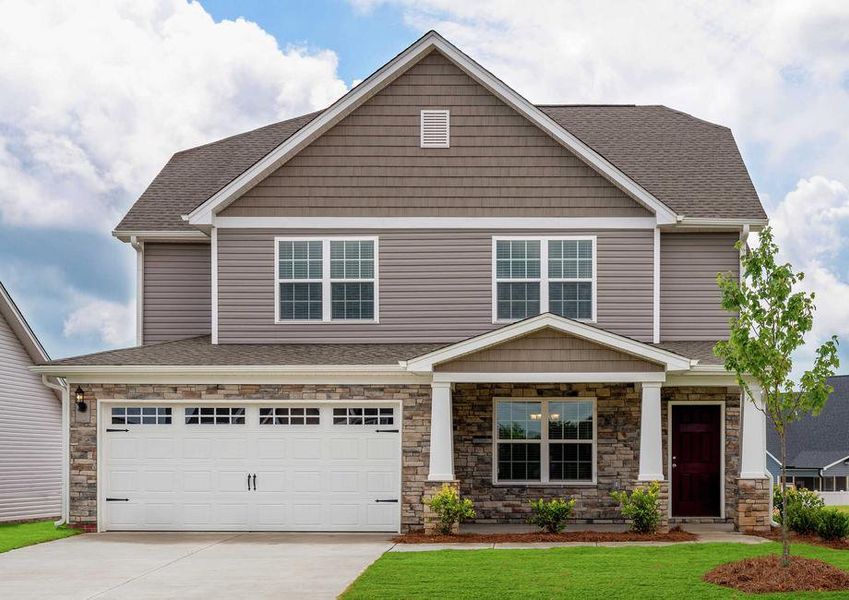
pixel 250 466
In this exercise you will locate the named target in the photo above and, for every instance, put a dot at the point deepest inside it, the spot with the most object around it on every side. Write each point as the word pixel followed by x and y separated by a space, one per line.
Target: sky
pixel 95 96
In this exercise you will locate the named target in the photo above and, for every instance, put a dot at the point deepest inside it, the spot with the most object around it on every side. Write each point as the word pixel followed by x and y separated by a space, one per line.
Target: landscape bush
pixel 833 524
pixel 642 506
pixel 551 515
pixel 450 509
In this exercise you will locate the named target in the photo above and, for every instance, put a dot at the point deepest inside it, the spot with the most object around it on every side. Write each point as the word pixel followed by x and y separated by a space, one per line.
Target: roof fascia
pixel 144 235
pixel 426 362
pixel 203 214
pixel 21 328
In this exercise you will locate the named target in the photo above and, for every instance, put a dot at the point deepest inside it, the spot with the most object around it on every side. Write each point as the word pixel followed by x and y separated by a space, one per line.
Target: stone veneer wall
pixel 416 431
pixel 618 407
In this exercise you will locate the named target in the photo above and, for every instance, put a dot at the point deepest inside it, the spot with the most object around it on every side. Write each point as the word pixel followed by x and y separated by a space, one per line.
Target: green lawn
pixel 585 572
pixel 26 534
pixel 841 508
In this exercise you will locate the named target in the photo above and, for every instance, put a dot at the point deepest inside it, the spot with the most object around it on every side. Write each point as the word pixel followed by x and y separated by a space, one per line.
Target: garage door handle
pixel 254 481
pixel 386 430
pixel 117 499
pixel 388 500
pixel 108 430
pixel 249 482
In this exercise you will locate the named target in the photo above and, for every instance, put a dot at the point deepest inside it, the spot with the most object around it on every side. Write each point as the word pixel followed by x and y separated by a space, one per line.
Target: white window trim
pixel 543 278
pixel 447 114
pixel 544 441
pixel 326 300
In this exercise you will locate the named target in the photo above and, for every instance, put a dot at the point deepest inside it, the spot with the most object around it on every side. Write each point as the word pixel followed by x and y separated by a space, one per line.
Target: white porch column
pixel 441 433
pixel 753 445
pixel 651 434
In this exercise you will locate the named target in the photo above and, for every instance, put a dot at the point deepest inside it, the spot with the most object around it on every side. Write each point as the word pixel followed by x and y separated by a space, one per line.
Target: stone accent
pixel 431 521
pixel 663 525
pixel 415 401
pixel 753 505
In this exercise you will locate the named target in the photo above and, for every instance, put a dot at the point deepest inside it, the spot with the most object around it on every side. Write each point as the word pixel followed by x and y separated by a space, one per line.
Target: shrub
pixel 801 496
pixel 803 519
pixel 641 506
pixel 833 524
pixel 450 508
pixel 551 515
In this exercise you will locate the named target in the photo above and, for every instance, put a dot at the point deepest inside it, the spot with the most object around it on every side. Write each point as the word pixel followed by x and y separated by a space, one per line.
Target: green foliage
pixel 641 506
pixel 833 524
pixel 551 515
pixel 802 519
pixel 801 496
pixel 450 508
pixel 771 317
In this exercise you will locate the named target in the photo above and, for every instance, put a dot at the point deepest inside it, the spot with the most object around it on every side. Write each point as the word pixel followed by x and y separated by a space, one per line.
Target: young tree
pixel 769 325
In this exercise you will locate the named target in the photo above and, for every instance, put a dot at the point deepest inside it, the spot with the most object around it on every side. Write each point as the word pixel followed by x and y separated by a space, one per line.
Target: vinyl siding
pixel 30 437
pixel 435 286
pixel 689 297
pixel 498 164
pixel 548 351
pixel 177 291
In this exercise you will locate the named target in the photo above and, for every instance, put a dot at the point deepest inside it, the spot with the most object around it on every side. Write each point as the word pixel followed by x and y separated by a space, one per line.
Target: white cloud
pixel 112 323
pixel 97 95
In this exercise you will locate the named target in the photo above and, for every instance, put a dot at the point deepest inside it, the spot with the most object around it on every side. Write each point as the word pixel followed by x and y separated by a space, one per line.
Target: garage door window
pixel 219 415
pixel 137 415
pixel 285 415
pixel 363 416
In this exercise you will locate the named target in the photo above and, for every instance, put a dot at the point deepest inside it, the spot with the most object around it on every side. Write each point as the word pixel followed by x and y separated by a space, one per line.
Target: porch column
pixel 651 434
pixel 441 433
pixel 753 445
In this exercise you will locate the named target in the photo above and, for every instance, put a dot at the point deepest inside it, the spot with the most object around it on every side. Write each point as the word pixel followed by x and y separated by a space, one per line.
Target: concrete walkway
pixel 130 566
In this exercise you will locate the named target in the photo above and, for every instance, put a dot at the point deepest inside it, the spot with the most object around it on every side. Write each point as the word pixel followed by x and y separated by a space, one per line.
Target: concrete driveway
pixel 189 565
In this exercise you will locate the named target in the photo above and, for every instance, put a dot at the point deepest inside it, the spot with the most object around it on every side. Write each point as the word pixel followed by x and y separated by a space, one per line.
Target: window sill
pixel 542 484
pixel 331 322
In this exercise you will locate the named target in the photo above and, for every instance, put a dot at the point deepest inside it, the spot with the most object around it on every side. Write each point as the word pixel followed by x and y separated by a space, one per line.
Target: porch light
pixel 79 396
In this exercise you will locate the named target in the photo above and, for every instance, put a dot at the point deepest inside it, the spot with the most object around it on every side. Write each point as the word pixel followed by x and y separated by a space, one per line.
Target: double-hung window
pixel 545 440
pixel 538 275
pixel 324 280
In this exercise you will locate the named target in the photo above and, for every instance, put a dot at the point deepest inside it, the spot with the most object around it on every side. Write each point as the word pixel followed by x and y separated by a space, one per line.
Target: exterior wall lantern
pixel 79 396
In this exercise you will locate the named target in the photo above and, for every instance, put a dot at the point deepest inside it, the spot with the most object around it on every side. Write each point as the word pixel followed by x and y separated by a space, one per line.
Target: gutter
pixel 64 388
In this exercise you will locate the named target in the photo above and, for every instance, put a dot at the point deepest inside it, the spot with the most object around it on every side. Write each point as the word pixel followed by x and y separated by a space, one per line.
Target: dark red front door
pixel 696 440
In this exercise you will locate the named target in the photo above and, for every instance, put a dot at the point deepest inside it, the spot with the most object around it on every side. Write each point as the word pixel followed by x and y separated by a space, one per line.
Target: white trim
pixel 214 283
pixel 651 434
pixel 152 235
pixel 656 288
pixel 139 248
pixel 722 441
pixel 670 360
pixel 543 279
pixel 434 111
pixel 544 442
pixel 19 326
pixel 436 222
pixel 720 223
pixel 63 387
pixel 837 462
pixel 326 279
pixel 374 83
pixel 625 377
pixel 768 453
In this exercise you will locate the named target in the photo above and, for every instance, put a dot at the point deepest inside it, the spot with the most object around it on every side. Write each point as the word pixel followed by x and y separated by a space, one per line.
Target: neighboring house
pixel 30 424
pixel 431 281
pixel 817 446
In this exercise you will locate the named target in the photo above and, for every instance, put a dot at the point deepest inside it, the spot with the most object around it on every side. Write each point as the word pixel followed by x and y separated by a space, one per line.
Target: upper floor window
pixel 538 275
pixel 322 280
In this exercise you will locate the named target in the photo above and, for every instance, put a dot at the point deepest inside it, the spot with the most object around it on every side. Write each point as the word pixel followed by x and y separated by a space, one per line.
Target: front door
pixel 696 452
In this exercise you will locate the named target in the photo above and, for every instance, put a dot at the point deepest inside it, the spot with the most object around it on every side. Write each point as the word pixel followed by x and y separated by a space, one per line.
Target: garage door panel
pixel 310 475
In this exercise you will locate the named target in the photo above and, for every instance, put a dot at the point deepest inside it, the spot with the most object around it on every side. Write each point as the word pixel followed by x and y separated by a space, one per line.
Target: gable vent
pixel 435 129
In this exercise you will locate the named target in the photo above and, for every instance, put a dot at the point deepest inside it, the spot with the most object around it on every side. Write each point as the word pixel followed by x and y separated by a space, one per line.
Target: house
pixel 30 424
pixel 817 446
pixel 432 281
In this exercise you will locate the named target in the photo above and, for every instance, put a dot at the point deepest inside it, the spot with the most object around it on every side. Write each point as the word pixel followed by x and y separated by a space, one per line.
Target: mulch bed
pixel 765 574
pixel 813 540
pixel 417 537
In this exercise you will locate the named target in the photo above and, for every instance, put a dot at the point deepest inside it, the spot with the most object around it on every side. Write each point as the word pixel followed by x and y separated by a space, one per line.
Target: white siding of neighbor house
pixel 30 437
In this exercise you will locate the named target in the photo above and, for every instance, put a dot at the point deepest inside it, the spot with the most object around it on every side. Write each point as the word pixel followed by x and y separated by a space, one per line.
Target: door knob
pixel 674 465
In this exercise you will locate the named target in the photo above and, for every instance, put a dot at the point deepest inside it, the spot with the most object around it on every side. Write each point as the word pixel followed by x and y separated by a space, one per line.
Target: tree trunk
pixel 785 537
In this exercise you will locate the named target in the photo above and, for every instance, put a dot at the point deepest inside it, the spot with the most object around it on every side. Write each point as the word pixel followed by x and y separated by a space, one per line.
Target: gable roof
pixel 668 161
pixel 10 312
pixel 818 441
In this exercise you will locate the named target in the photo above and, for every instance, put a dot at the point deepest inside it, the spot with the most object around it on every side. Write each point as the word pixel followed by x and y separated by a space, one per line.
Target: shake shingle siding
pixel 498 164
pixel 177 291
pixel 435 286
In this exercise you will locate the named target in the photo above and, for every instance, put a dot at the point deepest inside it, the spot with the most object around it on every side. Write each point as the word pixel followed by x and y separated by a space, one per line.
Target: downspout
pixel 65 389
pixel 139 248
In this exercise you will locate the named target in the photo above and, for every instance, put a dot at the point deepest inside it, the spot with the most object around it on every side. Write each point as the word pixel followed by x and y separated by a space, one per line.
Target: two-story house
pixel 431 281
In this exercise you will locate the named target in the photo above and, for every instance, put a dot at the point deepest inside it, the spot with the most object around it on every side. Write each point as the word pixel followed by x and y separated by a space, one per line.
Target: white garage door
pixel 251 467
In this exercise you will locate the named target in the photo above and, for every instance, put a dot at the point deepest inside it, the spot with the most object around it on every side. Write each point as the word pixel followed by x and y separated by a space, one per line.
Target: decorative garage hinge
pixel 387 500
pixel 117 499
pixel 386 430
pixel 110 429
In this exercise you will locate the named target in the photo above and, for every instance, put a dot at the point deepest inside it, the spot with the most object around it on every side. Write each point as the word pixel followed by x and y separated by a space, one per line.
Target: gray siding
pixel 548 351
pixel 435 286
pixel 499 164
pixel 689 297
pixel 30 437
pixel 177 291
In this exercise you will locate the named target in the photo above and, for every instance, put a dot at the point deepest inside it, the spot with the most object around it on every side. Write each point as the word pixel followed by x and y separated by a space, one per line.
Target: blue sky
pixel 95 98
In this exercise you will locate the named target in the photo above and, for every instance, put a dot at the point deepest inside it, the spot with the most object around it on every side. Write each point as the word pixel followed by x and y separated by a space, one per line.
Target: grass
pixel 577 572
pixel 843 508
pixel 19 535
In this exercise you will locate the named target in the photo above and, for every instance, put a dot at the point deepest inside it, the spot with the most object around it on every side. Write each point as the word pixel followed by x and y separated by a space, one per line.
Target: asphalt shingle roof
pixel 814 442
pixel 692 166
